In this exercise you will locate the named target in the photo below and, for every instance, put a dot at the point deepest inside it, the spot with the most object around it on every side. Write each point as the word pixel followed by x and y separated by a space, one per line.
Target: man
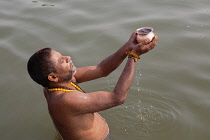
pixel 74 112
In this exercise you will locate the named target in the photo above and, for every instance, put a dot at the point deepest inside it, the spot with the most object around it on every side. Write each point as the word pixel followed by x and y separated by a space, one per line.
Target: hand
pixel 145 46
pixel 132 40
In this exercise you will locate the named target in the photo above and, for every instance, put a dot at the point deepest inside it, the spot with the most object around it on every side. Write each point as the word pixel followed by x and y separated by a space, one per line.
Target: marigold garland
pixel 67 89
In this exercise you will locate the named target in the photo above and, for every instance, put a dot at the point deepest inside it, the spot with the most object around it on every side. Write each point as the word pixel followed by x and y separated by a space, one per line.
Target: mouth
pixel 72 65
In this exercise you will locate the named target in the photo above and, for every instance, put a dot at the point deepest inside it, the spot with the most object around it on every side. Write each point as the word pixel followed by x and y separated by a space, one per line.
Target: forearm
pixel 126 78
pixel 104 68
pixel 124 83
pixel 110 63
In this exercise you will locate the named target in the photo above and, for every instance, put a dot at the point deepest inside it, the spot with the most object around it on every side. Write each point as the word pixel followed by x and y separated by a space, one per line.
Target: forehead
pixel 54 55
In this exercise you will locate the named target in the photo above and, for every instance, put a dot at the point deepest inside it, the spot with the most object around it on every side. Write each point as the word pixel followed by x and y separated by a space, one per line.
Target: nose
pixel 68 58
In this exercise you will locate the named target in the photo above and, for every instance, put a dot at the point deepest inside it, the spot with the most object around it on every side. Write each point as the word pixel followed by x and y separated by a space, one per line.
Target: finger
pixel 148 46
pixel 133 36
pixel 154 38
pixel 146 41
pixel 154 42
pixel 152 47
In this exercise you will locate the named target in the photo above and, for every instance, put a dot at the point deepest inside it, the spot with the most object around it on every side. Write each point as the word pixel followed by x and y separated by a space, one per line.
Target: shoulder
pixel 65 101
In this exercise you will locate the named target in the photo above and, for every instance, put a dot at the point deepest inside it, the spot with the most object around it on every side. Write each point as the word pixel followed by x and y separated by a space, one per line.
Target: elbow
pixel 119 97
pixel 119 101
pixel 105 73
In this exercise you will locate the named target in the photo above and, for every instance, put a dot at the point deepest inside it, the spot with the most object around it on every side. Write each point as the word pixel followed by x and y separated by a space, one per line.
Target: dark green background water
pixel 170 95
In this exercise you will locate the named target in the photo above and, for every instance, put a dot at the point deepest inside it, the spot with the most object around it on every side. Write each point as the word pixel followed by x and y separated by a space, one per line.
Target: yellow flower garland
pixel 67 90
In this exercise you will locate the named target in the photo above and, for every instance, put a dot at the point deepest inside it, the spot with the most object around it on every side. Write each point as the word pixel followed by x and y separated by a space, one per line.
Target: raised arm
pixel 101 100
pixel 109 64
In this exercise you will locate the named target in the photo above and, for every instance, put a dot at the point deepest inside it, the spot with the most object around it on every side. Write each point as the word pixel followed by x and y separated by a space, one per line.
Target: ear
pixel 53 77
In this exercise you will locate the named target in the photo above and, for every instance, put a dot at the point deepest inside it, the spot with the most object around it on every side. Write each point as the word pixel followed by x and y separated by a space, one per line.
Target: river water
pixel 170 95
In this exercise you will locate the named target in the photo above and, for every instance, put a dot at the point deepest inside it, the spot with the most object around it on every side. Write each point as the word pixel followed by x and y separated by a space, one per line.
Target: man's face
pixel 63 65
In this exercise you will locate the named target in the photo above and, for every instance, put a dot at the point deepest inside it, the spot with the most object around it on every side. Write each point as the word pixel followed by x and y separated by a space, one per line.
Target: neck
pixel 62 85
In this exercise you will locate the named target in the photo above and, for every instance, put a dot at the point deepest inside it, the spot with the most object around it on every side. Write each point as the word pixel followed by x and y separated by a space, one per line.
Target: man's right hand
pixel 145 46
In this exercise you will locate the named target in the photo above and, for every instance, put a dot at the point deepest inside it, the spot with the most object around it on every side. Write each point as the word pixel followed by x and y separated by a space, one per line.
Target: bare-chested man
pixel 73 111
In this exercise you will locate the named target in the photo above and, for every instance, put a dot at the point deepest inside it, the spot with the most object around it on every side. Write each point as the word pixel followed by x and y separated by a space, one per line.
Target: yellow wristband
pixel 133 56
pixel 132 53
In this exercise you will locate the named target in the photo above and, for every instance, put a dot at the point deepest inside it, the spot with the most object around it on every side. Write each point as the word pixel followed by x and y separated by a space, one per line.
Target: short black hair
pixel 40 66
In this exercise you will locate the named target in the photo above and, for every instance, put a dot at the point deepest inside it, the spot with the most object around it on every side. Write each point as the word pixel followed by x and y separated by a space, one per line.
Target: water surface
pixel 170 95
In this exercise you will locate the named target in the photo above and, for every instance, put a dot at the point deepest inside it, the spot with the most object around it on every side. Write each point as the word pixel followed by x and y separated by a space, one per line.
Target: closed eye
pixel 61 61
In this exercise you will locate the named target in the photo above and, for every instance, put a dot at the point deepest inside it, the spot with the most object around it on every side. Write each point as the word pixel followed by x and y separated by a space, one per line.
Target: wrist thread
pixel 133 55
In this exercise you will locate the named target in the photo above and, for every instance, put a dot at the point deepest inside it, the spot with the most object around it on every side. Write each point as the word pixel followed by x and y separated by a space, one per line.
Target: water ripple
pixel 148 115
pixel 155 115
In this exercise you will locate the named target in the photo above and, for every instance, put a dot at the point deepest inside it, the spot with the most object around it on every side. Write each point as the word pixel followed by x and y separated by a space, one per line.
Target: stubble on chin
pixel 74 72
